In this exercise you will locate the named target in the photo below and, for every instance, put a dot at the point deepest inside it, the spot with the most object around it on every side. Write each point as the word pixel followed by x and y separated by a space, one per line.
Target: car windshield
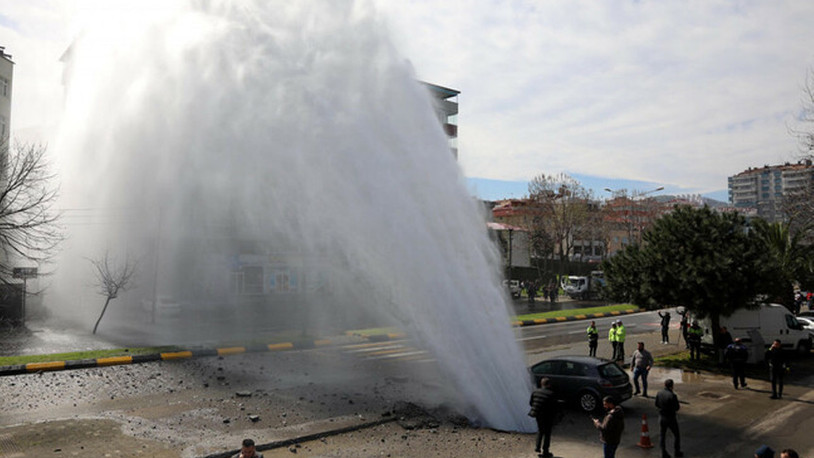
pixel 610 370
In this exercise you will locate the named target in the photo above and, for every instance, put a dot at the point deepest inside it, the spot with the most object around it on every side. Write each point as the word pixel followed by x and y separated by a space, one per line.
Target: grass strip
pixel 574 312
pixel 77 355
pixel 529 316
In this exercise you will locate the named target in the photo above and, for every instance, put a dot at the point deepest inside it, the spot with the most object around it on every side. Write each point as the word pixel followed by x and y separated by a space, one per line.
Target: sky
pixel 618 94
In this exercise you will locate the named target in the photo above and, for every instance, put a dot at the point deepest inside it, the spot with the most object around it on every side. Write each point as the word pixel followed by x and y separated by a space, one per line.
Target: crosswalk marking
pixel 387 351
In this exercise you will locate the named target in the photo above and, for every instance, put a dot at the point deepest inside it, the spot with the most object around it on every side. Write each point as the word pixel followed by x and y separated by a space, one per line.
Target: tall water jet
pixel 276 163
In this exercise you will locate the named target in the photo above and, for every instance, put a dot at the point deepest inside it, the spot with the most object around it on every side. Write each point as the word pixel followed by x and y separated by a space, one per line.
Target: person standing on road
pixel 737 354
pixel 593 339
pixel 685 326
pixel 544 409
pixel 531 289
pixel 665 327
pixel 776 358
pixel 640 363
pixel 612 340
pixel 621 333
pixel 248 450
pixel 611 427
pixel 667 404
pixel 694 339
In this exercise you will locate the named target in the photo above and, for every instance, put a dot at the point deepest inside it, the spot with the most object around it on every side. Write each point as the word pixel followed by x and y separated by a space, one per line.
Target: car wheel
pixel 588 401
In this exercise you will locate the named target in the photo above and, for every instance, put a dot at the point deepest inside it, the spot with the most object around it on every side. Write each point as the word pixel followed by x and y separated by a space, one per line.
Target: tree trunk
pixel 103 314
pixel 715 319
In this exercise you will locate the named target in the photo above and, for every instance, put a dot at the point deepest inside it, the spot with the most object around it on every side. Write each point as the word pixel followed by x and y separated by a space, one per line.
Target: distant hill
pixel 694 198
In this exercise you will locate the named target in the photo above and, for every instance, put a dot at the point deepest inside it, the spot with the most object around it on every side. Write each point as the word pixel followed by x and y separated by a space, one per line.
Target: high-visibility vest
pixel 592 333
pixel 612 335
pixel 621 333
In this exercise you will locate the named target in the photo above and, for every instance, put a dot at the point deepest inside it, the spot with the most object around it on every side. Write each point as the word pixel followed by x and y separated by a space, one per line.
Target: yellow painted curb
pixel 281 346
pixel 176 355
pixel 114 360
pixel 231 351
pixel 49 366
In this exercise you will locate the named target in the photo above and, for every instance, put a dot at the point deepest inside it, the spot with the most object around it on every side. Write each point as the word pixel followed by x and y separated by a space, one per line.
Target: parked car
pixel 808 323
pixel 584 380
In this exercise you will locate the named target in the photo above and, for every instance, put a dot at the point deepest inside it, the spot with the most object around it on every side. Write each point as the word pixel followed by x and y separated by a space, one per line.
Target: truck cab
pixel 584 287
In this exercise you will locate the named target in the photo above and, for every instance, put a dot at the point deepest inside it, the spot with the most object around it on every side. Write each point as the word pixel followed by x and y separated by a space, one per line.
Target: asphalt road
pixel 198 407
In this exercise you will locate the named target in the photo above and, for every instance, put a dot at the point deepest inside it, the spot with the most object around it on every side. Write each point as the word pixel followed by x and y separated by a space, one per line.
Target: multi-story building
pixel 6 78
pixel 445 101
pixel 761 190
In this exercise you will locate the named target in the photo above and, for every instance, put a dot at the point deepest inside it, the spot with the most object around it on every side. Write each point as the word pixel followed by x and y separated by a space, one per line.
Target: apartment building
pixel 761 190
pixel 445 101
pixel 6 79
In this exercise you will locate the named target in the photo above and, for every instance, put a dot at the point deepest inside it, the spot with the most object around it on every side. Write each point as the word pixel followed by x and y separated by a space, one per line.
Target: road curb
pixel 50 366
pixel 521 323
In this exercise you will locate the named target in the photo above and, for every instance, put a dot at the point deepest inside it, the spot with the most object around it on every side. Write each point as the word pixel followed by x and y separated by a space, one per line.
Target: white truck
pixel 513 287
pixel 584 288
pixel 772 321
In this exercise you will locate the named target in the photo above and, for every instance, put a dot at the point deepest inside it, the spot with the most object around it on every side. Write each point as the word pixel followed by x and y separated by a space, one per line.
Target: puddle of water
pixel 678 375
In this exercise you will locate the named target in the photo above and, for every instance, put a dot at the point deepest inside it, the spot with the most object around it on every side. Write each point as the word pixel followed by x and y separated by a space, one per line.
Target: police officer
pixel 593 339
pixel 737 354
pixel 612 340
pixel 621 333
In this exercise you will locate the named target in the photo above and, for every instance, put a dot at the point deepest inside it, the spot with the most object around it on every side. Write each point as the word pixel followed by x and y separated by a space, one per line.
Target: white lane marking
pixel 533 338
pixel 398 355
pixel 375 349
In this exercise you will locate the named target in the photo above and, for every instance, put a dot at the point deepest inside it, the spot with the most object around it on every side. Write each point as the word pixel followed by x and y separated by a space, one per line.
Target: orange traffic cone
pixel 644 442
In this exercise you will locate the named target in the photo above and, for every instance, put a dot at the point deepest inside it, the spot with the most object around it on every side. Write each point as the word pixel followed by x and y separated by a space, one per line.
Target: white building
pixel 6 79
pixel 761 190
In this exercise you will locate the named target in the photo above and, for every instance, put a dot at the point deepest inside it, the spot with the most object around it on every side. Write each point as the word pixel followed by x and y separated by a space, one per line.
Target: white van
pixel 773 321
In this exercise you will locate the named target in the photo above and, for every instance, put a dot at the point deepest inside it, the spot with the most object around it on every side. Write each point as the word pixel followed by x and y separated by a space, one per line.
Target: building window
pixel 4 86
pixel 3 127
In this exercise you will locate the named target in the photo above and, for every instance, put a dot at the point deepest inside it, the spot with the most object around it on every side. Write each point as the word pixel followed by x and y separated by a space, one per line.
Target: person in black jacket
pixel 665 327
pixel 737 354
pixel 776 358
pixel 667 403
pixel 544 407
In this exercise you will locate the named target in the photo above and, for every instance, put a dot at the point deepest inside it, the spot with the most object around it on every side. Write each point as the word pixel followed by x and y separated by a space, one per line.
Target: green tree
pixel 709 262
pixel 789 259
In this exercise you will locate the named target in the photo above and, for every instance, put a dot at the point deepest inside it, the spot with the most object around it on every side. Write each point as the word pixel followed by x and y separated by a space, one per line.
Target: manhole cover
pixel 711 395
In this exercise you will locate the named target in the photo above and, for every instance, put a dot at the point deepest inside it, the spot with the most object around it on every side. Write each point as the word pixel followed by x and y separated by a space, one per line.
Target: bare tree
pixel 28 221
pixel 560 208
pixel 804 130
pixel 111 279
pixel 798 204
